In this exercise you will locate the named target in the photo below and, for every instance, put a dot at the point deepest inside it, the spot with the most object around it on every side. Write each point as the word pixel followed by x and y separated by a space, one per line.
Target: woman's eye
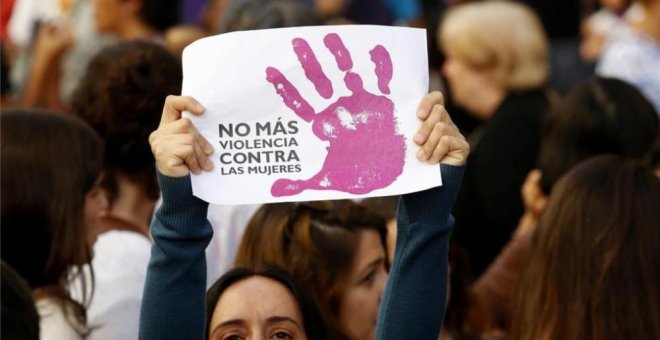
pixel 232 337
pixel 282 335
pixel 369 278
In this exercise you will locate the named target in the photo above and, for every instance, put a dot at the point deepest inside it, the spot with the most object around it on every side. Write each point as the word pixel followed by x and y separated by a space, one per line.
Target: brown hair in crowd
pixel 121 97
pixel 315 242
pixel 598 116
pixel 594 268
pixel 49 164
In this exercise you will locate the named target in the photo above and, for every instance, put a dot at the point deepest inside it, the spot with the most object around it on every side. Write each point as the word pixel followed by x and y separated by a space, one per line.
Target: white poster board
pixel 309 113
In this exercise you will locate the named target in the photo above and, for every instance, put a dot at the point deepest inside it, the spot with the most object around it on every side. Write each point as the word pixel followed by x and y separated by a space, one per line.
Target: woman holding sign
pixel 413 302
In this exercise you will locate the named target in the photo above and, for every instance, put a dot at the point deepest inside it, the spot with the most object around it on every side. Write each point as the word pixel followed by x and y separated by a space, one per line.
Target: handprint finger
pixel 383 62
pixel 290 95
pixel 336 46
pixel 353 82
pixel 312 68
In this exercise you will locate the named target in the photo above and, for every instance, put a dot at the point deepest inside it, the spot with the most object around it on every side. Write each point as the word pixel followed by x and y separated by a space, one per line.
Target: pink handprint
pixel 366 152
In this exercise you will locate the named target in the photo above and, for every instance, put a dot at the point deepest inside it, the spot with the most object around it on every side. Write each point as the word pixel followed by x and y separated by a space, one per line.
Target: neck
pixel 488 102
pixel 649 23
pixel 132 204
pixel 135 29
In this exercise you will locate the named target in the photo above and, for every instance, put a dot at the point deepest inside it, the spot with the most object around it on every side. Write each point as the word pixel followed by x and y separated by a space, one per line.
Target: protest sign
pixel 309 113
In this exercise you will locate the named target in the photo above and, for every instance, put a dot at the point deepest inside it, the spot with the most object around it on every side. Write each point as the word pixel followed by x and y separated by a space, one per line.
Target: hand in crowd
pixel 53 40
pixel 439 139
pixel 177 145
pixel 534 201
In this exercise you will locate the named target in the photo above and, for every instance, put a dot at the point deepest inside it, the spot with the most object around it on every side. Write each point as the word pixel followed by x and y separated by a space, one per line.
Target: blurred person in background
pixel 632 52
pixel 561 20
pixel 121 98
pixel 386 207
pixel 136 19
pixel 20 319
pixel 594 263
pixel 599 24
pixel 55 54
pixel 599 116
pixel 51 167
pixel 497 71
pixel 118 19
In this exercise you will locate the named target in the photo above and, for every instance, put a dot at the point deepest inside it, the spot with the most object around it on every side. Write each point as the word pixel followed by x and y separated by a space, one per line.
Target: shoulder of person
pixel 54 322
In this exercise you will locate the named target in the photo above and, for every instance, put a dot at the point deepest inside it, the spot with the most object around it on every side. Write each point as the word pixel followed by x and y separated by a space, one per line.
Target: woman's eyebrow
pixel 372 264
pixel 228 323
pixel 276 319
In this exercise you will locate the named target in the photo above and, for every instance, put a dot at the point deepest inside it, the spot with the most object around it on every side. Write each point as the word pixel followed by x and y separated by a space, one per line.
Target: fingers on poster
pixel 354 164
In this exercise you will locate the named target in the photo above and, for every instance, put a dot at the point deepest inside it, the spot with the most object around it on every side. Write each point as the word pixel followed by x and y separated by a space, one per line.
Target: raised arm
pixel 414 300
pixel 173 301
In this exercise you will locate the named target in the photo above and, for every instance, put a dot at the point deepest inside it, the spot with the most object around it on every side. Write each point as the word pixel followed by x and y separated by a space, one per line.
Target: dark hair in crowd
pixel 49 164
pixel 5 84
pixel 20 320
pixel 121 97
pixel 598 116
pixel 594 267
pixel 160 14
pixel 384 206
pixel 312 321
pixel 263 14
pixel 315 242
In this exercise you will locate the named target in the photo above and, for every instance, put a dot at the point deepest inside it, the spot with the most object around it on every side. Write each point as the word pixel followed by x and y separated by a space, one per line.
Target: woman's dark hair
pixel 312 321
pixel 315 242
pixel 121 96
pixel 20 320
pixel 263 14
pixel 594 266
pixel 384 206
pixel 49 164
pixel 160 14
pixel 5 83
pixel 598 116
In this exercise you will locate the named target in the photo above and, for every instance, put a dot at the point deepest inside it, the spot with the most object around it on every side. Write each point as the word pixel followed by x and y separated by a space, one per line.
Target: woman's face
pixel 108 14
pixel 358 310
pixel 96 204
pixel 257 308
pixel 466 84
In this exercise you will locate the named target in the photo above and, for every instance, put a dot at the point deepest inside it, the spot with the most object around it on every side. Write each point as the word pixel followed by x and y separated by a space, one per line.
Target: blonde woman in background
pixel 497 69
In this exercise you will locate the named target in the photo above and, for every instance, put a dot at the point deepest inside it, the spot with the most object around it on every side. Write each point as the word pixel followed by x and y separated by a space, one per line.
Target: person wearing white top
pixel 120 264
pixel 632 53
pixel 54 323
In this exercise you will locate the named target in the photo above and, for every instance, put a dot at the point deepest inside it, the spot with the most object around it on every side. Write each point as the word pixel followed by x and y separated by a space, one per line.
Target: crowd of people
pixel 542 117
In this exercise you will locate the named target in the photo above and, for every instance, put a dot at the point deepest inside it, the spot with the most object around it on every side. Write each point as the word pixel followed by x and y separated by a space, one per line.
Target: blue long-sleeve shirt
pixel 413 302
